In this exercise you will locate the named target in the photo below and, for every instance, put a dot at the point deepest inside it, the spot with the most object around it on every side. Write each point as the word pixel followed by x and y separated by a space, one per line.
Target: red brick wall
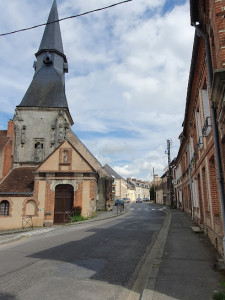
pixel 201 208
pixel 8 152
pixel 214 191
pixel 204 191
pixel 217 33
pixel 78 195
pixel 49 202
pixel 223 160
pixel 212 19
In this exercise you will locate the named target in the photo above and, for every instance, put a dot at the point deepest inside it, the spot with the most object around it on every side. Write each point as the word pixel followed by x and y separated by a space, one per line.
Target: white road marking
pixel 30 233
pixel 139 208
pixel 163 208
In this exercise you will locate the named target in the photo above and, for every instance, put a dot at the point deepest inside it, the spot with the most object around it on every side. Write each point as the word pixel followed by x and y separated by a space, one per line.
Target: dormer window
pixel 48 59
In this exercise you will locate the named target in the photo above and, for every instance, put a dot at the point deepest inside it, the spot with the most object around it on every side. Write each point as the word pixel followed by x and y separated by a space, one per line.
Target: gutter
pixel 205 36
pixel 16 194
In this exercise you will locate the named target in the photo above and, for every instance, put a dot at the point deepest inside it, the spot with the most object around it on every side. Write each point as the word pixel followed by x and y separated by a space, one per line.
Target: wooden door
pixel 63 203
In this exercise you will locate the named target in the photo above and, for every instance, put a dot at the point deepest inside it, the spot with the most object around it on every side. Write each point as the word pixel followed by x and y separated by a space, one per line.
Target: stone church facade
pixel 46 172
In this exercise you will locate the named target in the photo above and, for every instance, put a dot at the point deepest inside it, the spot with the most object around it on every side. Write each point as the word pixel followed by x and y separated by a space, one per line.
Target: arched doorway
pixel 63 203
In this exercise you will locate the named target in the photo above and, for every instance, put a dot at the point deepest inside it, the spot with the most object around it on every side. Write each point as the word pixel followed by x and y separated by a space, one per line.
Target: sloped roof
pixel 51 154
pixel 45 90
pixel 3 139
pixel 52 35
pixel 19 180
pixel 111 172
pixel 130 185
pixel 85 152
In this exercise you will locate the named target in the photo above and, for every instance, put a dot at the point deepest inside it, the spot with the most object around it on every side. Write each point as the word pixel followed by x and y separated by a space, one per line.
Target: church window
pixel 4 208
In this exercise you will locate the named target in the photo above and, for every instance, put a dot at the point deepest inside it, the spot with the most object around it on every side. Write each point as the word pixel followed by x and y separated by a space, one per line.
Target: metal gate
pixel 63 203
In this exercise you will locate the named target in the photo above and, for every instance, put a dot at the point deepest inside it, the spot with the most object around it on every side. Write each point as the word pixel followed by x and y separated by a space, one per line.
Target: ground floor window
pixel 4 208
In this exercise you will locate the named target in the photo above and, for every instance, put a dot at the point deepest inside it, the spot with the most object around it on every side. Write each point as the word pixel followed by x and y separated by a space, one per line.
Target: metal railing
pixel 27 222
pixel 206 125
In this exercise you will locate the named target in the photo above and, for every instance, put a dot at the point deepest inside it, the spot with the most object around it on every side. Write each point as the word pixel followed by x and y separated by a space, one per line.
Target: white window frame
pixel 206 110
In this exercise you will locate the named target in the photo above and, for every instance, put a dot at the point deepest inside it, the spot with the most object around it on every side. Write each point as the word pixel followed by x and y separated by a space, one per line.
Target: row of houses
pixel 129 188
pixel 199 168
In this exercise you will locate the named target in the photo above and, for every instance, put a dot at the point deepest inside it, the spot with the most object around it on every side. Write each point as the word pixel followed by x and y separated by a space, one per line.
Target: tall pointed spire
pixel 47 88
pixel 52 36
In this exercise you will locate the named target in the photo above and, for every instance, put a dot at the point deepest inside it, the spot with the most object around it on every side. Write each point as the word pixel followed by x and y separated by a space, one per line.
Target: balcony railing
pixel 207 127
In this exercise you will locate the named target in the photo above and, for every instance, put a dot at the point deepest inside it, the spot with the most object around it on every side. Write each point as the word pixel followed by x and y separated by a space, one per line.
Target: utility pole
pixel 170 178
pixel 154 198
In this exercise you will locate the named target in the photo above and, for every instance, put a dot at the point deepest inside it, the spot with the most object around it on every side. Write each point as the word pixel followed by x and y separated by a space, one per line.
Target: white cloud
pixel 128 74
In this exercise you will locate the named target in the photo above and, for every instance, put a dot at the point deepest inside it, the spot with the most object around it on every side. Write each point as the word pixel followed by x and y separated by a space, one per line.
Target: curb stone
pixel 147 275
pixel 25 234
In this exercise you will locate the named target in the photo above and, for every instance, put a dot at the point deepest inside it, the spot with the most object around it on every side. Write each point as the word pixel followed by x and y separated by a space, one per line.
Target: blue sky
pixel 127 80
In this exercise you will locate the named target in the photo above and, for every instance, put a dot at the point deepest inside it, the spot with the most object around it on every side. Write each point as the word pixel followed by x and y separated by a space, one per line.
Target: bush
pixel 77 215
pixel 77 219
pixel 77 211
pixel 219 296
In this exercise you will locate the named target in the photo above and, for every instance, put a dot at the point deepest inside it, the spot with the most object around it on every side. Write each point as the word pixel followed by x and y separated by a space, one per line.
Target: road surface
pixel 100 260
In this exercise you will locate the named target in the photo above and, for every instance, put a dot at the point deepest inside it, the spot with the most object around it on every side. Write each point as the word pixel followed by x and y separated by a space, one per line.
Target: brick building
pixel 162 190
pixel 45 170
pixel 200 165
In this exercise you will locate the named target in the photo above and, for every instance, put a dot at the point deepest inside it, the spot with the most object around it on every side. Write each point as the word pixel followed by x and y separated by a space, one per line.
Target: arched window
pixel 31 208
pixel 4 208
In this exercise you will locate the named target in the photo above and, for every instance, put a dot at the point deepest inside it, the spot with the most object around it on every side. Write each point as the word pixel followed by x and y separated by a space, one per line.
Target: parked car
pixel 126 200
pixel 119 202
pixel 146 199
pixel 138 200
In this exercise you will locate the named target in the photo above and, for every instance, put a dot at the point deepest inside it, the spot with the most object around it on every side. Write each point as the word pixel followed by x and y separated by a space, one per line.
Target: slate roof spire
pixel 52 36
pixel 47 88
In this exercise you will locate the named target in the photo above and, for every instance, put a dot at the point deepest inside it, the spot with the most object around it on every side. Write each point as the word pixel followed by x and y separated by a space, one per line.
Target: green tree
pixel 152 193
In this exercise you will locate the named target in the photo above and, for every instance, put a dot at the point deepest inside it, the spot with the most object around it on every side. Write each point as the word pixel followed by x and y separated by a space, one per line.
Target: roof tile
pixel 3 139
pixel 19 180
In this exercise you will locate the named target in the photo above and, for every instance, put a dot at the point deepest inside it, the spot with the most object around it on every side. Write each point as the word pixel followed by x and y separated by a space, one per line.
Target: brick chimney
pixel 10 130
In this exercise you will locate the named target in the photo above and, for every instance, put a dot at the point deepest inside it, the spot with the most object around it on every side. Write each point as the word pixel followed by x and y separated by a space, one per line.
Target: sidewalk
pixel 185 270
pixel 182 267
pixel 9 236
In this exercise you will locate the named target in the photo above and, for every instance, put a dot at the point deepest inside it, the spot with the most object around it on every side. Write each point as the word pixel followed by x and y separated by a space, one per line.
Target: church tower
pixel 42 119
pixel 46 173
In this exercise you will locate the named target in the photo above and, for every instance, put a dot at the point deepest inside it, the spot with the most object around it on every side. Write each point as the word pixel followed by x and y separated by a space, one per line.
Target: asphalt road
pixel 100 260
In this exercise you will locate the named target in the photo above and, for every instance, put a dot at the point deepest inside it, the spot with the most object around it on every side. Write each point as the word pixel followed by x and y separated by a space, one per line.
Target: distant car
pixel 119 202
pixel 138 200
pixel 146 199
pixel 126 200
